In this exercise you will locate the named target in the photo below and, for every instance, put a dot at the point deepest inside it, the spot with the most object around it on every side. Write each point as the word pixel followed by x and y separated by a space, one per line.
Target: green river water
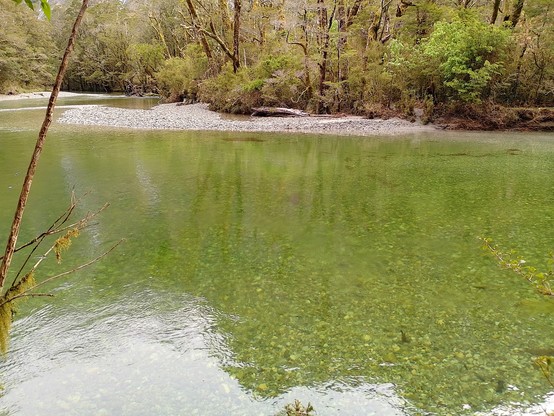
pixel 263 268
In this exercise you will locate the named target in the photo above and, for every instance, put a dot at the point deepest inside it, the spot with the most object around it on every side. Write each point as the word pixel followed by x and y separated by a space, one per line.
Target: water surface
pixel 262 268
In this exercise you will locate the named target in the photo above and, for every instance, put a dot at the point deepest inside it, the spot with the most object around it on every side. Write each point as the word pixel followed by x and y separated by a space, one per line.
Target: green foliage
pixel 226 92
pixel 530 75
pixel 428 110
pixel 418 22
pixel 145 59
pixel 44 5
pixel 466 54
pixel 379 58
pixel 100 61
pixel 25 50
pixel 179 77
pixel 274 81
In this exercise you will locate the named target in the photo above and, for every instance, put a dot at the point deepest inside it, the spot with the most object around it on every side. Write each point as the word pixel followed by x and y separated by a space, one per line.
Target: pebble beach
pixel 199 117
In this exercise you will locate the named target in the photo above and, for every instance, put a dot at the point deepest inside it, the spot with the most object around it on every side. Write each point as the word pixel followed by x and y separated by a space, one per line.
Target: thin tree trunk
pixel 324 27
pixel 353 12
pixel 236 35
pixel 212 34
pixel 342 18
pixel 495 8
pixel 198 32
pixel 225 19
pixel 378 20
pixel 155 23
pixel 26 187
pixel 305 49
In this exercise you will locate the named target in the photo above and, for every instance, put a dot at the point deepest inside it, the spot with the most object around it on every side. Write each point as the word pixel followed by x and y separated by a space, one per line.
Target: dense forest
pixel 324 56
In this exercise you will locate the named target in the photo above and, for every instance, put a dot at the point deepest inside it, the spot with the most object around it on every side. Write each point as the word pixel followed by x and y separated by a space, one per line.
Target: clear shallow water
pixel 257 272
pixel 112 100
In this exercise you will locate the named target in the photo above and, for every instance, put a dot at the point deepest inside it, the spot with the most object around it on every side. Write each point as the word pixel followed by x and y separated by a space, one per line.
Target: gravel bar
pixel 199 117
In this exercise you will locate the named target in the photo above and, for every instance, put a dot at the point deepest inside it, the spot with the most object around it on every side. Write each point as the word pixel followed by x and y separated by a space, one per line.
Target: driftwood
pixel 278 112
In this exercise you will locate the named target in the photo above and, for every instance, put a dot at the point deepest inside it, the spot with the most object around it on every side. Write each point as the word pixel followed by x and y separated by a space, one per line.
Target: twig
pixel 82 266
pixel 62 219
pixel 80 225
pixel 27 295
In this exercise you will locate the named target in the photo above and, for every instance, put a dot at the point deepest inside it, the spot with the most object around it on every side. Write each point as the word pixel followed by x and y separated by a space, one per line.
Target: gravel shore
pixel 199 117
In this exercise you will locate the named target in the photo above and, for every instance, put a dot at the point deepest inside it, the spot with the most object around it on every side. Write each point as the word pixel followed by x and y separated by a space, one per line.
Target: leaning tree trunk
pixel 26 187
pixel 198 33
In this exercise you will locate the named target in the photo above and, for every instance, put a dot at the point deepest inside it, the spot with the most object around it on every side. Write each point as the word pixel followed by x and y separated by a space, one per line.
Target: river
pixel 262 268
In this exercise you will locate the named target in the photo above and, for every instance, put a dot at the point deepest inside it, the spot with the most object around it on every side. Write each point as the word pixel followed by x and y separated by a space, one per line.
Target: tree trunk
pixel 377 22
pixel 495 8
pixel 236 35
pixel 155 23
pixel 277 112
pixel 305 48
pixel 513 17
pixel 323 37
pixel 353 12
pixel 26 187
pixel 225 19
pixel 198 32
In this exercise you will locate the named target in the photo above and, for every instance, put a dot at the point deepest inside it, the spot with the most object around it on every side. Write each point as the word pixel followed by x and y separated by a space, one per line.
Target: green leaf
pixel 46 8
pixel 30 4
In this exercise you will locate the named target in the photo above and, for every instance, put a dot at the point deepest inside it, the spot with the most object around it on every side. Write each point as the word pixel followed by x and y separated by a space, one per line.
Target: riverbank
pixel 199 117
pixel 491 117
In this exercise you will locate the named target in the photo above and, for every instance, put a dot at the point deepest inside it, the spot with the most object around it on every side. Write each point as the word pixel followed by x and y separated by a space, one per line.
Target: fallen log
pixel 278 112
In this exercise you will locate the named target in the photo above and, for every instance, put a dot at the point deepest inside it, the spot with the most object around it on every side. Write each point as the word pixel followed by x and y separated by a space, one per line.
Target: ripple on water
pixel 130 359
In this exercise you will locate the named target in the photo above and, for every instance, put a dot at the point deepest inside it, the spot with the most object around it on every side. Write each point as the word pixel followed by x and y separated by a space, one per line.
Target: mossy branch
pixel 509 260
pixel 27 289
pixel 25 285
pixel 545 365
pixel 56 228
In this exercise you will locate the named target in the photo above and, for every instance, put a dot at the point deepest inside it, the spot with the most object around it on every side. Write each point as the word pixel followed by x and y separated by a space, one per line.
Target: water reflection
pixel 325 269
pixel 132 359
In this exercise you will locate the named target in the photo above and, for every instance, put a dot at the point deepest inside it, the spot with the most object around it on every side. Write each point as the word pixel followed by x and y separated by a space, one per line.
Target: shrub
pixel 179 78
pixel 466 54
pixel 273 81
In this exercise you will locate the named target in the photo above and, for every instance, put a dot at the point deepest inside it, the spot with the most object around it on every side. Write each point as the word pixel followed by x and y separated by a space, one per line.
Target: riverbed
pixel 264 267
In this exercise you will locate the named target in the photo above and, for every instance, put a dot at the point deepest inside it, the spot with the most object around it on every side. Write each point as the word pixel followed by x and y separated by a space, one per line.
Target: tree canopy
pixel 317 55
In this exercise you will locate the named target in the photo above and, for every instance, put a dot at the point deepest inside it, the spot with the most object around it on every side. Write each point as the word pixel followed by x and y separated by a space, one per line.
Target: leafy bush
pixel 179 78
pixel 466 54
pixel 225 92
pixel 273 81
